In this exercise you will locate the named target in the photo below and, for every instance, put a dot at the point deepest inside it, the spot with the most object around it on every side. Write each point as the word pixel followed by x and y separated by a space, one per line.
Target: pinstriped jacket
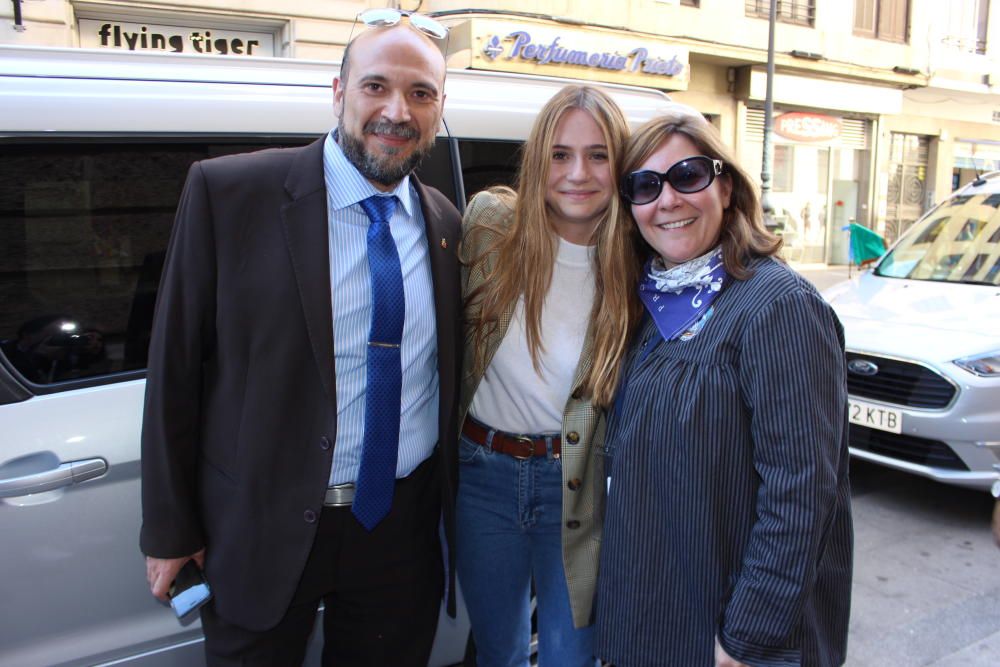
pixel 729 510
pixel 582 426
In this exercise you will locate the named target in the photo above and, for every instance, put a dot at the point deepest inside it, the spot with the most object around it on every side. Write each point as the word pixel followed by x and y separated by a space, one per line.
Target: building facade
pixel 882 107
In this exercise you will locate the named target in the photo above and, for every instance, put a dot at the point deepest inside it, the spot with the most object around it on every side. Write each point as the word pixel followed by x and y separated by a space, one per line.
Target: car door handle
pixel 65 474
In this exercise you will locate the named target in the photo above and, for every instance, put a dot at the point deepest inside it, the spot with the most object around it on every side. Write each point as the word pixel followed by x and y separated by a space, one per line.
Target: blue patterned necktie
pixel 377 475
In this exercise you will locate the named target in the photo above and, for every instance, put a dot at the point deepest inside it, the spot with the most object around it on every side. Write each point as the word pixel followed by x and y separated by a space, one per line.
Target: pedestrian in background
pixel 549 302
pixel 728 533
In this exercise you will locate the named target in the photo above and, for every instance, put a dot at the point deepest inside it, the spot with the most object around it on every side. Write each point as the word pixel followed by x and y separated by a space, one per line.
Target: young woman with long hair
pixel 549 302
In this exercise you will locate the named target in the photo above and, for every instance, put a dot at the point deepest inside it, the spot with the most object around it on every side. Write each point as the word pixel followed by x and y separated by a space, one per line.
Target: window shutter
pixel 864 18
pixel 892 20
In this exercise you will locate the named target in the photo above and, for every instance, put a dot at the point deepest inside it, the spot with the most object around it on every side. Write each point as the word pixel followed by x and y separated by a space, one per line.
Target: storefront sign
pixel 538 49
pixel 519 44
pixel 96 33
pixel 800 126
pixel 815 92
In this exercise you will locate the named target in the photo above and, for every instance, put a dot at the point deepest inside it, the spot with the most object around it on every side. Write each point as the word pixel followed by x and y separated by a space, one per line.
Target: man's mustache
pixel 402 130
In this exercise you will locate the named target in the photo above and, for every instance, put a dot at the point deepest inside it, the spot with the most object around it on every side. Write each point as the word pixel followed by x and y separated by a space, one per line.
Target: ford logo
pixel 862 367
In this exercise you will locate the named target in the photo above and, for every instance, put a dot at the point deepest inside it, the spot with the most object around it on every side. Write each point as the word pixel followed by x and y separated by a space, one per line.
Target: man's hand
pixel 161 572
pixel 723 659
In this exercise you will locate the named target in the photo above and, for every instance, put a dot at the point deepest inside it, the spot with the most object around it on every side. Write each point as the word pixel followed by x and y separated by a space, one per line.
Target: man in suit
pixel 270 378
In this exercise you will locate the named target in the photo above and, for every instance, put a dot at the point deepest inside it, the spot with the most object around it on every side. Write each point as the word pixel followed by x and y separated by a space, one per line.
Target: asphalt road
pixel 926 573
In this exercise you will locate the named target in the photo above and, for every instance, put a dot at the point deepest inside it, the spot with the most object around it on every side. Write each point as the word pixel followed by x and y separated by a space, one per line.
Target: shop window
pixel 782 180
pixel 822 171
pixel 799 12
pixel 882 19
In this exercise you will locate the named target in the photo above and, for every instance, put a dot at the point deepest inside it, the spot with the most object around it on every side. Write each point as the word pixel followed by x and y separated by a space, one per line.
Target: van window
pixel 83 232
pixel 84 226
pixel 488 163
pixel 436 170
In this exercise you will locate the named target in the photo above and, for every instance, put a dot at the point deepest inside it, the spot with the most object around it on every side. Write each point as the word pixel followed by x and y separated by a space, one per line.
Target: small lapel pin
pixel 444 243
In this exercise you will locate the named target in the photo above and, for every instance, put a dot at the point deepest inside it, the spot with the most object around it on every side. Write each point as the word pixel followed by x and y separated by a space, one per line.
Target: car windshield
pixel 958 242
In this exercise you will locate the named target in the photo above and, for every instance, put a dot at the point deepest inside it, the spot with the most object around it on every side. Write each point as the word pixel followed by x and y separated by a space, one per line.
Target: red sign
pixel 807 126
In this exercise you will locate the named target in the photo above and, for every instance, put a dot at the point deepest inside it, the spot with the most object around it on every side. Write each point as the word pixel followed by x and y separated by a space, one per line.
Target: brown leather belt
pixel 512 444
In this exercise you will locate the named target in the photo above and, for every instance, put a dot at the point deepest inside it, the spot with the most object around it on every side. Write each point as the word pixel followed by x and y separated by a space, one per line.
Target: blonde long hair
pixel 743 235
pixel 526 250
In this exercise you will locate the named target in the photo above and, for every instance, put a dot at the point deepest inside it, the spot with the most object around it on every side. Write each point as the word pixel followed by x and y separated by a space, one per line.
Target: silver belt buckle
pixel 340 495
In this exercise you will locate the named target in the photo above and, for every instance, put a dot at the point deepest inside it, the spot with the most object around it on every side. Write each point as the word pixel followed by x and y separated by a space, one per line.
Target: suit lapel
pixel 304 220
pixel 442 246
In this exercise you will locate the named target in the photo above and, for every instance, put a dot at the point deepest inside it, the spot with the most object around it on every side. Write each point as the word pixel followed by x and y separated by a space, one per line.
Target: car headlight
pixel 984 365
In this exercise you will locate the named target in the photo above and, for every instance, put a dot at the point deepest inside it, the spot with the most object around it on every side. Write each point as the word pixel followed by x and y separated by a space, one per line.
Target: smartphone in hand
pixel 189 590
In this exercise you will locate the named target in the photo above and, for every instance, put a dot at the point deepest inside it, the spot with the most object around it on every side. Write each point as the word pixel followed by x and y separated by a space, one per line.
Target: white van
pixel 94 148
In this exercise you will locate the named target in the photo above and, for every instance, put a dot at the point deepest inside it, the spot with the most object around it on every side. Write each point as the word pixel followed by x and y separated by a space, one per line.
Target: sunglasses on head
pixel 690 175
pixel 384 18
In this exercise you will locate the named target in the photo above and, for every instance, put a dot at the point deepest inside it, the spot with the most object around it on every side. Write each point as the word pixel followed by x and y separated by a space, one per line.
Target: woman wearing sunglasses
pixel 727 537
pixel 549 302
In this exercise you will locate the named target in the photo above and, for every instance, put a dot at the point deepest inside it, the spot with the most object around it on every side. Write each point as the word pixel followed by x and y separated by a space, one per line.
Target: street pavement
pixel 926 570
pixel 824 275
pixel 926 573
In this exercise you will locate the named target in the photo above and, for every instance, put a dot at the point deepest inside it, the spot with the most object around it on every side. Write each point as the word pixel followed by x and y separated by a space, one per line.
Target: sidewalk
pixel 823 275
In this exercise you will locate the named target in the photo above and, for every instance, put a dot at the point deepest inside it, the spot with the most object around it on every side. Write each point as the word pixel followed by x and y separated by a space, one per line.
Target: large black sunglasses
pixel 692 174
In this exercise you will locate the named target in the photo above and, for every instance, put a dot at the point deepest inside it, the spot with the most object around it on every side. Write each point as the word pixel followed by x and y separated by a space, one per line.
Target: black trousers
pixel 381 590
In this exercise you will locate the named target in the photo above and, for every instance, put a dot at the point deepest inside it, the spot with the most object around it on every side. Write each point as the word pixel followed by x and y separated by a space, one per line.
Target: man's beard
pixel 385 170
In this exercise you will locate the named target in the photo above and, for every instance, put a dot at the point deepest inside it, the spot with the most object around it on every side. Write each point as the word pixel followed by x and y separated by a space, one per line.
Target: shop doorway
pixel 819 186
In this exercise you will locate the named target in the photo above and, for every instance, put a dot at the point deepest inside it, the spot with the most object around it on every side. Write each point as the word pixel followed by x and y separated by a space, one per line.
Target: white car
pixel 923 344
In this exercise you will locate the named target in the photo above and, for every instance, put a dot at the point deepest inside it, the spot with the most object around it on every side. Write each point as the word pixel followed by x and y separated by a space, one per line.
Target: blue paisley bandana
pixel 679 298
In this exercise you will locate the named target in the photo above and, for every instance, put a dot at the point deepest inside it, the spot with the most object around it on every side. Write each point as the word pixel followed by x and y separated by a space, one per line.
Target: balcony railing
pixel 799 12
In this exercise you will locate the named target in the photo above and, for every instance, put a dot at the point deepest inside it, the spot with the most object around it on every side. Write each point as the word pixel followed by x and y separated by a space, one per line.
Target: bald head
pixel 402 32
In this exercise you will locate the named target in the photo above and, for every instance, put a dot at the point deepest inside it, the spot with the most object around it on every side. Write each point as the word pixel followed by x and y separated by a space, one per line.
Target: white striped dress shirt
pixel 351 302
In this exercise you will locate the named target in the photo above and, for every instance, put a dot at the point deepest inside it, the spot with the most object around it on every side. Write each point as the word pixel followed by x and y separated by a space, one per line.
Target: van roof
pixel 196 94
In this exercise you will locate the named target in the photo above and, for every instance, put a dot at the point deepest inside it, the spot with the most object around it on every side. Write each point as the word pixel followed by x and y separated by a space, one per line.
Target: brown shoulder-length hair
pixel 526 250
pixel 743 235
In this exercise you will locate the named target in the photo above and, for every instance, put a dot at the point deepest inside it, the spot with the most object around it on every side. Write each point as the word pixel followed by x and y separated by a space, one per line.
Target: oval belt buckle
pixel 529 445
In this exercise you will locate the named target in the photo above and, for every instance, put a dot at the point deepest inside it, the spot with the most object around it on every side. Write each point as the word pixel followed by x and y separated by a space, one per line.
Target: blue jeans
pixel 509 520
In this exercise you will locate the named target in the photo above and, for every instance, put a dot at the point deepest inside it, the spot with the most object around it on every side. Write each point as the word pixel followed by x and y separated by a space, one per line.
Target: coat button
pixel 324 443
pixel 573 437
pixel 309 516
pixel 573 523
pixel 574 484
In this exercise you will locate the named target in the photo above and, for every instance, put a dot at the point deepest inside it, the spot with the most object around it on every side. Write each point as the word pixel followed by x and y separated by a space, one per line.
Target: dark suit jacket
pixel 240 413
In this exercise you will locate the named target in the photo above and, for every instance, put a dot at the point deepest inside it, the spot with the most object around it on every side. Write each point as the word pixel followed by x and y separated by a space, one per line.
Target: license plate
pixel 875 416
